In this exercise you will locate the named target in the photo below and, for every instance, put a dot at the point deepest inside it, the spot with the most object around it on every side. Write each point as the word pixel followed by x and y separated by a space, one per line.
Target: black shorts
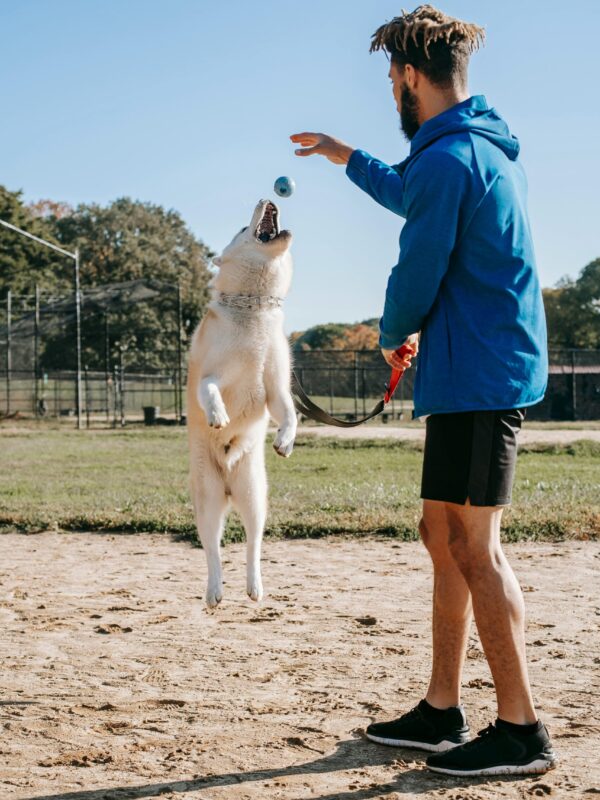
pixel 471 455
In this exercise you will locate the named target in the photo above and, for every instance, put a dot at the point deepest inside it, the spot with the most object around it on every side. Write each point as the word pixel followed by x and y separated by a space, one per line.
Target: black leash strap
pixel 311 410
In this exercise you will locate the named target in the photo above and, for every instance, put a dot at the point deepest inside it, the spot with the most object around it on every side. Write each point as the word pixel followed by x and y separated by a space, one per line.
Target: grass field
pixel 136 480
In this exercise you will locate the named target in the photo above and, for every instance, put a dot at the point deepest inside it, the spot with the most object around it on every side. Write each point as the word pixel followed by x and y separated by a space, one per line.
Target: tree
pixel 131 241
pixel 23 262
pixel 338 336
pixel 50 208
pixel 126 241
pixel 573 310
pixel 321 337
pixel 361 337
pixel 588 293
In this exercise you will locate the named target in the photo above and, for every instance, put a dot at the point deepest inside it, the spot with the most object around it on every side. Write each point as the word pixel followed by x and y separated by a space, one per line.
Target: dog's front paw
pixel 214 595
pixel 254 588
pixel 284 443
pixel 218 417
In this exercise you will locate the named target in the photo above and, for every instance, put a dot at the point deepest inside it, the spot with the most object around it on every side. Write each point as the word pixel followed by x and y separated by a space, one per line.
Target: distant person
pixel 466 279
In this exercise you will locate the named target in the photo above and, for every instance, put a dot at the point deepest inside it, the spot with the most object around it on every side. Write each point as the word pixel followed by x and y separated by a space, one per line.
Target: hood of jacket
pixel 471 116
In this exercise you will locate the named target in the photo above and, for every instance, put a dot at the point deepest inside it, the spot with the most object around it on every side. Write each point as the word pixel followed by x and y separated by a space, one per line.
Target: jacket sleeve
pixel 377 179
pixel 435 188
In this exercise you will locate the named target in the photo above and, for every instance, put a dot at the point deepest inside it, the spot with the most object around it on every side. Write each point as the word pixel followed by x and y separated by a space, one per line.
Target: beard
pixel 409 113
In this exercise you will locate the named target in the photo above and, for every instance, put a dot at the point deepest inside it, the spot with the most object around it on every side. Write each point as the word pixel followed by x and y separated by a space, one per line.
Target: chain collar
pixel 254 302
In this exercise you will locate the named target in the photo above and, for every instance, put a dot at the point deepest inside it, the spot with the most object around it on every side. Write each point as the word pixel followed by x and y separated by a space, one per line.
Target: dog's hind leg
pixel 210 505
pixel 249 496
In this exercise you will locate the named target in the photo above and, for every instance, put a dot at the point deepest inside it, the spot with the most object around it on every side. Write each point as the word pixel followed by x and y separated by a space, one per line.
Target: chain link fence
pixel 348 383
pixel 130 372
pixel 131 342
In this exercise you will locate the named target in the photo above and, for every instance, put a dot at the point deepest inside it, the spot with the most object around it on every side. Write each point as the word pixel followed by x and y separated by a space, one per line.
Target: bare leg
pixel 497 605
pixel 451 609
pixel 249 495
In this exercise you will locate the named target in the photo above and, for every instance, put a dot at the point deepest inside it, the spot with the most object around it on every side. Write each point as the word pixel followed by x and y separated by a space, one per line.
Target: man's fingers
pixel 308 151
pixel 306 138
pixel 398 362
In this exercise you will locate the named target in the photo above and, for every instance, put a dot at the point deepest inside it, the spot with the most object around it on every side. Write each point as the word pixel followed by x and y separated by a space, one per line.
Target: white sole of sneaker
pixel 536 767
pixel 441 747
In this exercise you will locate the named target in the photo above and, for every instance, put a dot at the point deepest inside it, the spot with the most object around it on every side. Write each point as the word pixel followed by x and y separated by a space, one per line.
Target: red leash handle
pixel 405 350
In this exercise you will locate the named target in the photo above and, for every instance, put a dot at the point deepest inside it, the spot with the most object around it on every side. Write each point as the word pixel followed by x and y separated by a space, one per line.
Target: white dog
pixel 239 374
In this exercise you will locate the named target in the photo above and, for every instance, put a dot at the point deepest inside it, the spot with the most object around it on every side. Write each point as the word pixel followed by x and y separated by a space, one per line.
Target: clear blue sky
pixel 189 104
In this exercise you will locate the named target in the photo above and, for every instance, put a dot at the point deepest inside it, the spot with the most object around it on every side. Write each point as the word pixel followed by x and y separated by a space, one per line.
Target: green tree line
pixel 125 241
pixel 129 240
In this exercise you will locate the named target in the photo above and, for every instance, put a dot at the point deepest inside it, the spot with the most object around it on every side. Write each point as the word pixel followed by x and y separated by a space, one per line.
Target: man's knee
pixel 462 552
pixel 435 539
pixel 473 554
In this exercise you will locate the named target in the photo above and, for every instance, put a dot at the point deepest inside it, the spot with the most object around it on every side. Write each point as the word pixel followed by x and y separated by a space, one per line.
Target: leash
pixel 311 410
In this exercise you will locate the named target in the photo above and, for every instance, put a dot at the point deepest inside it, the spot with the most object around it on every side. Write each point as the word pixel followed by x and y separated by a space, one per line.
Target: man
pixel 466 279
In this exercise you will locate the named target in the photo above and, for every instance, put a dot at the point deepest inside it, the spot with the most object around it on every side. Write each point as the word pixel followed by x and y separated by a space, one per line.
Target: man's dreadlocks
pixel 434 43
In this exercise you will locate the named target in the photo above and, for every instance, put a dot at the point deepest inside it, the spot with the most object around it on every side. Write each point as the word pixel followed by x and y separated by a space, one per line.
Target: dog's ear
pixel 217 261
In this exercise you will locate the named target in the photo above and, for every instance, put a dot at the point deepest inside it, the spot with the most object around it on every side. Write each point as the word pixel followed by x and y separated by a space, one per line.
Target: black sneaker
pixel 425 728
pixel 498 751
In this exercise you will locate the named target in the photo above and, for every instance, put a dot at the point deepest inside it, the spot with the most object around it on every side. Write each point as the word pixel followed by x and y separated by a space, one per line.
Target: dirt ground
pixel 557 436
pixel 117 683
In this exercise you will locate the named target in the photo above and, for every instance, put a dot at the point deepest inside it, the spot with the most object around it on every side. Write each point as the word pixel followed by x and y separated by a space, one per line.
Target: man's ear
pixel 410 76
pixel 217 260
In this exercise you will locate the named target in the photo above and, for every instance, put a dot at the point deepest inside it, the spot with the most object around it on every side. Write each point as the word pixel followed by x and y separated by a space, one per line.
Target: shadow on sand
pixel 349 754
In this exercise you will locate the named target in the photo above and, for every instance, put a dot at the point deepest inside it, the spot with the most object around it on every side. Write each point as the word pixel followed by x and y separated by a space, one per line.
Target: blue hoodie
pixel 466 277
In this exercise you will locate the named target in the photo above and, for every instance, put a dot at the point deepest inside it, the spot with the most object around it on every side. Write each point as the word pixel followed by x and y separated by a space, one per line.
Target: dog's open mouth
pixel 268 225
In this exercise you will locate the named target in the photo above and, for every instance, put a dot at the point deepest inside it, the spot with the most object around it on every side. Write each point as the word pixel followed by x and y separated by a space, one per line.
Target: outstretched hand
pixel 336 151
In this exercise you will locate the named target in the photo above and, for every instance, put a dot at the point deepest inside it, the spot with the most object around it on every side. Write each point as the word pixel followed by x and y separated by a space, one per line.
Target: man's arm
pixel 434 190
pixel 377 179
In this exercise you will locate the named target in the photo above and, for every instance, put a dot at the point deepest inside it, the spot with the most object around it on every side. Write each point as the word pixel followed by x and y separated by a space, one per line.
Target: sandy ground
pixel 526 435
pixel 117 683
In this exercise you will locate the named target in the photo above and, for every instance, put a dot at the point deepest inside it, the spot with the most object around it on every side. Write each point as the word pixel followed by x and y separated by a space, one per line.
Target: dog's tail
pixel 233 450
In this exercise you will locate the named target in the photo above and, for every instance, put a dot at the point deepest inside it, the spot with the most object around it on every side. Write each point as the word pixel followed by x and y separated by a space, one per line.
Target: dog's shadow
pixel 350 754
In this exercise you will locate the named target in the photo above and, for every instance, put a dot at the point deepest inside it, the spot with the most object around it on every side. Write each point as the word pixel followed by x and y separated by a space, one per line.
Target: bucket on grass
pixel 151 414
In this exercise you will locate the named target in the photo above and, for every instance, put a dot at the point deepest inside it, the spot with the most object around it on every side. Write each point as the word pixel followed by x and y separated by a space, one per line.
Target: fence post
pixel 106 366
pixel 175 379
pixel 115 394
pixel 87 396
pixel 356 384
pixel 179 410
pixel 78 337
pixel 36 352
pixel 8 347
pixel 121 386
pixel 363 373
pixel 573 385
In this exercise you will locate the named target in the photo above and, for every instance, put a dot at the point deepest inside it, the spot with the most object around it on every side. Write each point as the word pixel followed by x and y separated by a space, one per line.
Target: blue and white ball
pixel 284 186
